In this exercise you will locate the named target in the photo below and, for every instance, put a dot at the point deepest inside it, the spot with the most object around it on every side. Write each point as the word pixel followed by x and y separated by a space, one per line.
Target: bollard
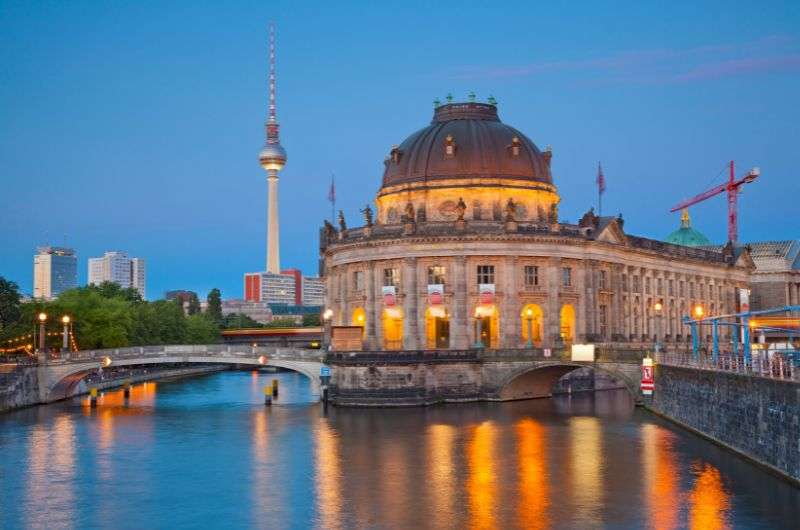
pixel 274 388
pixel 93 397
pixel 127 391
pixel 325 394
pixel 267 396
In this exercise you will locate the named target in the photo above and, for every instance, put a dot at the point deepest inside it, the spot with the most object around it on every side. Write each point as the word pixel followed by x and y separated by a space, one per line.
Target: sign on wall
pixel 648 382
pixel 583 352
pixel 389 293
pixel 435 293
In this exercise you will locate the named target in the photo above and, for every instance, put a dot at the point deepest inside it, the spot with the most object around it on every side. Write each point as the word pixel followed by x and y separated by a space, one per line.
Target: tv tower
pixel 272 158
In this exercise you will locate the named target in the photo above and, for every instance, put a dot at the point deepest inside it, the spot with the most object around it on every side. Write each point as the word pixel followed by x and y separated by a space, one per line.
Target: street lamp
pixel 42 320
pixel 65 338
pixel 327 320
pixel 698 311
pixel 658 306
pixel 529 314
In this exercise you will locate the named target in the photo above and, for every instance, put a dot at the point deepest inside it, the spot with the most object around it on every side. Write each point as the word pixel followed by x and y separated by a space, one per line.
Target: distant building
pixel 55 269
pixel 258 311
pixel 289 287
pixel 776 280
pixel 686 235
pixel 117 267
pixel 180 294
pixel 313 291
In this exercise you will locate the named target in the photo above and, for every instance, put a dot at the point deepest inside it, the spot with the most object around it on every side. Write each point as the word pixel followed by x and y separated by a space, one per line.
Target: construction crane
pixel 732 187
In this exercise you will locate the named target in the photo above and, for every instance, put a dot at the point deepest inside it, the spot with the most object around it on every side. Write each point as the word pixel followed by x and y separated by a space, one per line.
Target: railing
pixel 224 351
pixel 773 366
pixel 474 355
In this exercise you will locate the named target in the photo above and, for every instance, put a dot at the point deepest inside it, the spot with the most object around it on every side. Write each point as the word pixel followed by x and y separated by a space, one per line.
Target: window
pixel 485 274
pixel 391 277
pixel 531 275
pixel 659 286
pixel 636 284
pixel 625 282
pixel 566 276
pixel 720 292
pixel 436 274
pixel 358 280
pixel 602 280
pixel 691 289
pixel 603 320
pixel 647 285
pixel 672 287
pixel 681 288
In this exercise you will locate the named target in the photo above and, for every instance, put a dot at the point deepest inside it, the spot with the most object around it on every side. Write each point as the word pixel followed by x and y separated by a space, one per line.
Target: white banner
pixel 486 293
pixel 435 293
pixel 389 293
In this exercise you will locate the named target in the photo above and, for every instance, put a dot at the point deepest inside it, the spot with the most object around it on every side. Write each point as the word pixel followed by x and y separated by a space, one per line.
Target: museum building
pixel 465 249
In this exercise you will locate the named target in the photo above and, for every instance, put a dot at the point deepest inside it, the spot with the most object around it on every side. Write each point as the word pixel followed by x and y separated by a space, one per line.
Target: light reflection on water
pixel 205 452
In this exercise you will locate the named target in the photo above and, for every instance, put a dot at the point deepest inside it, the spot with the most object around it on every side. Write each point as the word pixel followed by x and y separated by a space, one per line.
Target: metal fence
pixel 773 366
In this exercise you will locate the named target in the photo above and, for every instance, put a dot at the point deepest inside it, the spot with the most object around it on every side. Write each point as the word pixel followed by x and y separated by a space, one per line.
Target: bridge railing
pixel 775 366
pixel 602 354
pixel 224 351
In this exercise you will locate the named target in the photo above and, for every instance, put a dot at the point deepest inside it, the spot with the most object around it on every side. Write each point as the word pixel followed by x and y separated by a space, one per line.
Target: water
pixel 205 453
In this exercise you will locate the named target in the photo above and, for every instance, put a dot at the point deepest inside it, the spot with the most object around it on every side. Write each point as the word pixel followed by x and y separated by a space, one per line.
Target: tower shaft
pixel 273 242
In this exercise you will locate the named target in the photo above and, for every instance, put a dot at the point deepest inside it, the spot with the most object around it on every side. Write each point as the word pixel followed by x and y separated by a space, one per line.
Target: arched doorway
pixel 392 328
pixel 486 326
pixel 437 327
pixel 567 328
pixel 359 318
pixel 531 318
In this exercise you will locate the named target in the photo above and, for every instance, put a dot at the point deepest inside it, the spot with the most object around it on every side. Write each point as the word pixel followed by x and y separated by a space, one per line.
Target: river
pixel 204 452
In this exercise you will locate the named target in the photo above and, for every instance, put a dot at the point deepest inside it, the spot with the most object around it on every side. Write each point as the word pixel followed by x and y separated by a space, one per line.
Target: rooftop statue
pixel 461 209
pixel 367 211
pixel 511 210
pixel 342 223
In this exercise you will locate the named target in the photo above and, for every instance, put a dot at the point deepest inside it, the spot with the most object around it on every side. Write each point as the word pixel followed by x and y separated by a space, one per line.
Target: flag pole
pixel 333 200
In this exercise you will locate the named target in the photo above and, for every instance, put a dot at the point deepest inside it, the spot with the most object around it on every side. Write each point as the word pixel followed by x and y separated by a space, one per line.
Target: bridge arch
pixel 539 379
pixel 62 380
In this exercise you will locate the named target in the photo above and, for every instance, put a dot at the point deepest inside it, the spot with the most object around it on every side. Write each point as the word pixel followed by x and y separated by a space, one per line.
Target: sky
pixel 136 126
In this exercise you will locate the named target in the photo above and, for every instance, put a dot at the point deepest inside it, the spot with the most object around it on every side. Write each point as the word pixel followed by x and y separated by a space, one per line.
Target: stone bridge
pixel 58 379
pixel 426 377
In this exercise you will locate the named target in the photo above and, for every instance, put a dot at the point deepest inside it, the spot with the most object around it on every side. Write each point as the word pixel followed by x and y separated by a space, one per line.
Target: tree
pixel 214 309
pixel 311 320
pixel 201 330
pixel 239 320
pixel 10 311
pixel 194 305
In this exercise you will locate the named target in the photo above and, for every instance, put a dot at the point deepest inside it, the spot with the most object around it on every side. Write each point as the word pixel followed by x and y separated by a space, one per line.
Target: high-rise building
pixel 272 158
pixel 313 291
pixel 55 269
pixel 118 268
pixel 270 288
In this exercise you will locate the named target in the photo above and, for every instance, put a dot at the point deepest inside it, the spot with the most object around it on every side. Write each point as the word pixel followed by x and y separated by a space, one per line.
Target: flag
pixel 332 191
pixel 601 179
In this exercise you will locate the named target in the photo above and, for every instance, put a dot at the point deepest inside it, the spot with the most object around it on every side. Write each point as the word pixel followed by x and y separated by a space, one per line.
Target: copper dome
pixel 480 145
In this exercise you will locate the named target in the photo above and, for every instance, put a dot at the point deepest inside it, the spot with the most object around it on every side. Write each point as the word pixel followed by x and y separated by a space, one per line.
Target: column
pixel 584 306
pixel 461 317
pixel 616 324
pixel 553 311
pixel 509 318
pixel 370 308
pixel 409 279
pixel 341 274
pixel 378 304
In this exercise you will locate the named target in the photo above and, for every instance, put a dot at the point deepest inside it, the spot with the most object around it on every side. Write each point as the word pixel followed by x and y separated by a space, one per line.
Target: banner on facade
pixel 389 293
pixel 435 293
pixel 486 293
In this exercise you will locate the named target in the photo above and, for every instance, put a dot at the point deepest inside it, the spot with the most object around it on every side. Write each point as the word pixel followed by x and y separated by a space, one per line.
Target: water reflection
pixel 661 477
pixel 534 495
pixel 709 502
pixel 50 499
pixel 328 477
pixel 481 483
pixel 441 474
pixel 586 470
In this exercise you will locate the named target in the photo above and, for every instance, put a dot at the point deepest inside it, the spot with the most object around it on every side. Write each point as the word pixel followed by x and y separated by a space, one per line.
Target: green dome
pixel 686 235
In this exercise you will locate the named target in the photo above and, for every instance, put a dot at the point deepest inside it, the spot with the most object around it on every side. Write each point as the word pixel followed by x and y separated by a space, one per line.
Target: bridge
pixel 59 378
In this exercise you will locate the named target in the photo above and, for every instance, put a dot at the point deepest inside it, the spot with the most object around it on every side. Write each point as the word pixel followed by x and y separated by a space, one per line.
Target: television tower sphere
pixel 272 157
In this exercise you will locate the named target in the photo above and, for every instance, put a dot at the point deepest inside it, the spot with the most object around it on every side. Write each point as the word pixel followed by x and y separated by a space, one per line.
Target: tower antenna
pixel 272 121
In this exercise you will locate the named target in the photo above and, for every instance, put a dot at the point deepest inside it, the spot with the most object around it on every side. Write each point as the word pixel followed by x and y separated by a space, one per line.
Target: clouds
pixel 771 54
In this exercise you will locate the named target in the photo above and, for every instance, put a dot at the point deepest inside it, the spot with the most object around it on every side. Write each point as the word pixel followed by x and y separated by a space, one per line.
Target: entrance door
pixel 442 330
pixel 486 331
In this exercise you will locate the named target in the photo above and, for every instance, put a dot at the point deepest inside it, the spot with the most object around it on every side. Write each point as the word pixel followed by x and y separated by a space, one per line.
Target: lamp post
pixel 327 318
pixel 42 339
pixel 478 332
pixel 658 306
pixel 529 315
pixel 697 312
pixel 65 337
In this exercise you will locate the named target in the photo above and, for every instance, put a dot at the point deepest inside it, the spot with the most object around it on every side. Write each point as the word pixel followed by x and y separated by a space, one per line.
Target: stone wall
pixel 19 388
pixel 755 416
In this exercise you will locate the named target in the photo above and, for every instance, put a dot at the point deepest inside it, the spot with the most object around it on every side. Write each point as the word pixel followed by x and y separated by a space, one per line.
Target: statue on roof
pixel 367 211
pixel 461 209
pixel 553 217
pixel 342 223
pixel 511 210
pixel 408 217
pixel 329 230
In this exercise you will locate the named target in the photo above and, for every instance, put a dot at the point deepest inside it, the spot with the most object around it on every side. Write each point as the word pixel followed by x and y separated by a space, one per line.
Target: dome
pixel 686 235
pixel 466 140
pixel 272 157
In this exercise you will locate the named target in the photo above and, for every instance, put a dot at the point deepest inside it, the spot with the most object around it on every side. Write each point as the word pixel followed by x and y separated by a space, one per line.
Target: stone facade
pixel 756 416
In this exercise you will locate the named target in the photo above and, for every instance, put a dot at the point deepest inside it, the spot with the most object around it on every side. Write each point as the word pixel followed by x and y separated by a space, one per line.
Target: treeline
pixel 107 316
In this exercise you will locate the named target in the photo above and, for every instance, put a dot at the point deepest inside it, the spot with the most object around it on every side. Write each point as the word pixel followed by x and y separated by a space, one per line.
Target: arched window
pixel 531 320
pixel 437 327
pixel 567 323
pixel 392 328
pixel 486 325
pixel 360 318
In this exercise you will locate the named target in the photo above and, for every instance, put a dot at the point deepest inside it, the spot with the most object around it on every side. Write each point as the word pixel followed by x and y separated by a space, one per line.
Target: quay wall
pixel 754 416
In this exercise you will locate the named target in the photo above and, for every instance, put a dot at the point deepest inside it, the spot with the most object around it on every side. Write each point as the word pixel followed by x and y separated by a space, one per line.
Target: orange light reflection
pixel 708 500
pixel 481 483
pixel 534 495
pixel 441 474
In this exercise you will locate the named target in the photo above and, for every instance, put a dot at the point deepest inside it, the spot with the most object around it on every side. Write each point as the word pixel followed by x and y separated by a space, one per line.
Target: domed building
pixel 465 249
pixel 686 235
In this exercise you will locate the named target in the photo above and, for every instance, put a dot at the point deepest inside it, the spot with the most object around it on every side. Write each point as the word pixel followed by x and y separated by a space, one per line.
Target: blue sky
pixel 136 125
